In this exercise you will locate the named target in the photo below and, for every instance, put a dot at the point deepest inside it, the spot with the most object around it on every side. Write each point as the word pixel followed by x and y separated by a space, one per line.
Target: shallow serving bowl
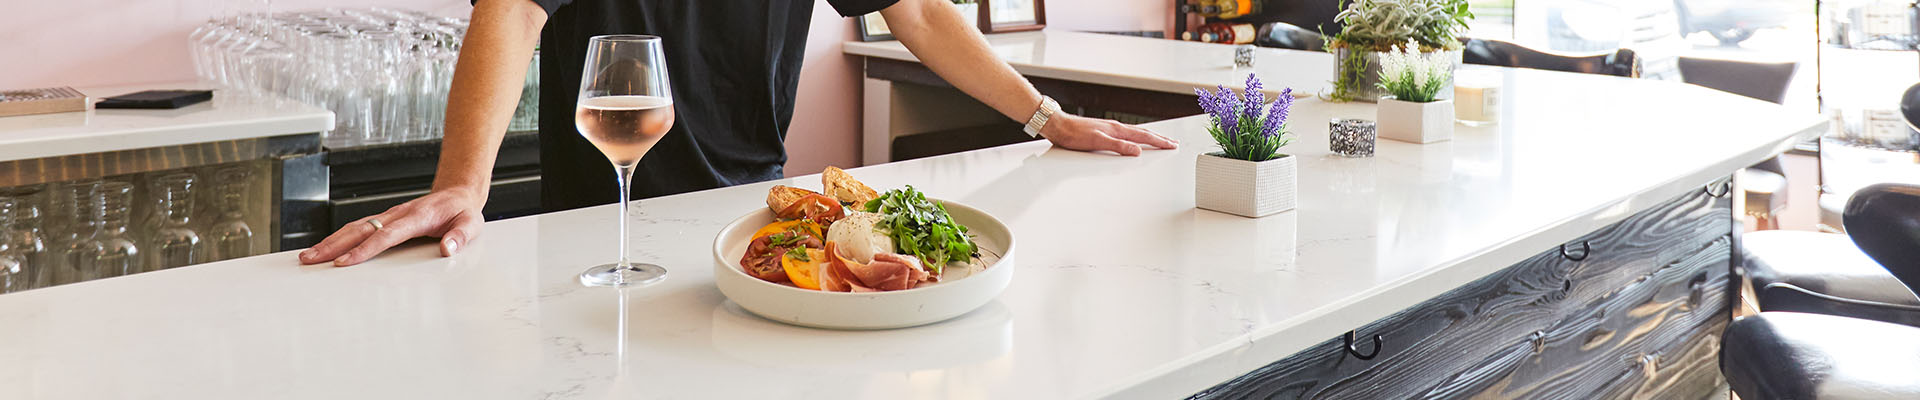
pixel 877 310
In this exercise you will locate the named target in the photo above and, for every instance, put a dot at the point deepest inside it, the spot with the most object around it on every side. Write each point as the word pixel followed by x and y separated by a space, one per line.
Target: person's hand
pixel 1092 134
pixel 451 215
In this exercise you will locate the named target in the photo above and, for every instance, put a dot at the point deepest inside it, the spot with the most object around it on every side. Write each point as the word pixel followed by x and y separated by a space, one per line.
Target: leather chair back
pixel 1910 104
pixel 1621 62
pixel 1288 36
pixel 1764 81
pixel 1884 221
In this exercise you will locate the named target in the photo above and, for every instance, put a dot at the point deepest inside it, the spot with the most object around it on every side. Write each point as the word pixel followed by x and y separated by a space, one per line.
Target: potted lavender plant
pixel 1249 176
pixel 1411 111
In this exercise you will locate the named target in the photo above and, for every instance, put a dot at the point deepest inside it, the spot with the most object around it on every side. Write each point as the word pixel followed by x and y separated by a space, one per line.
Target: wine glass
pixel 625 106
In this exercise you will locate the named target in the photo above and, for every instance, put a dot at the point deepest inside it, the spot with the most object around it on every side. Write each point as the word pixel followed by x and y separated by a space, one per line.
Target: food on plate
pixel 823 241
pixel 814 207
pixel 922 228
pixel 860 236
pixel 782 196
pixel 803 266
pixel 841 185
pixel 773 242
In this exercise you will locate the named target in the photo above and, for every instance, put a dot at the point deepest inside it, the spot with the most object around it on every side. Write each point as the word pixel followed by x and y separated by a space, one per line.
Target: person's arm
pixel 950 45
pixel 485 89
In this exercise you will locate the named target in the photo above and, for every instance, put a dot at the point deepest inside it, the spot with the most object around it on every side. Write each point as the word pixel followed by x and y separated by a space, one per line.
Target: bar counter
pixel 1124 289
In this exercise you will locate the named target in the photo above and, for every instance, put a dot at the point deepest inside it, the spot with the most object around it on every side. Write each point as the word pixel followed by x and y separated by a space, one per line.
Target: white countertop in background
pixel 1123 288
pixel 229 116
pixel 1133 62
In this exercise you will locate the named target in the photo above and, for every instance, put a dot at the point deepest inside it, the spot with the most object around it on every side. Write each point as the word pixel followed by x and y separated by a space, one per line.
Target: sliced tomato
pixel 804 273
pixel 776 227
pixel 818 208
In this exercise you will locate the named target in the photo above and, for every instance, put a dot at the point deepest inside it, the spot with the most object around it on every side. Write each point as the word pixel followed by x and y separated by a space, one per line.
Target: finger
pixel 339 242
pixel 1122 147
pixel 1147 137
pixel 402 228
pixel 464 228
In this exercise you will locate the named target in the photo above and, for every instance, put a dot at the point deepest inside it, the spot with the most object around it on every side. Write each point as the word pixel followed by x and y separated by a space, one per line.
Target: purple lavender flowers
pixel 1240 128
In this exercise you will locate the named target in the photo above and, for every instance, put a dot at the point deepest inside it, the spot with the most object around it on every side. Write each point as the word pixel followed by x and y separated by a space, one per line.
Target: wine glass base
pixel 613 275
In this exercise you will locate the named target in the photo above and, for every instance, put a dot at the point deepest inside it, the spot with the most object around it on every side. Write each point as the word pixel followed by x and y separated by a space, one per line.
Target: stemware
pixel 625 107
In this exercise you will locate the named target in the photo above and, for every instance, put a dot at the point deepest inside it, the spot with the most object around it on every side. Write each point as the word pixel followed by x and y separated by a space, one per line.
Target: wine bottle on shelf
pixel 1224 9
pixel 1223 33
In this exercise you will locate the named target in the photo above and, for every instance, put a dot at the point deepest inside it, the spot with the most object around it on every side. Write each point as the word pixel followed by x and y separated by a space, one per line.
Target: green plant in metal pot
pixel 1369 27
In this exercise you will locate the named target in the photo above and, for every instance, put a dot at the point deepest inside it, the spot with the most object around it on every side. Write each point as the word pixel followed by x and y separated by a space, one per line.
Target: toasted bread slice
pixel 843 187
pixel 781 196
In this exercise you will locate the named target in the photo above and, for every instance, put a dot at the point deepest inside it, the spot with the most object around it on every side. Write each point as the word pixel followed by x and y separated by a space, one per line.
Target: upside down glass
pixel 625 106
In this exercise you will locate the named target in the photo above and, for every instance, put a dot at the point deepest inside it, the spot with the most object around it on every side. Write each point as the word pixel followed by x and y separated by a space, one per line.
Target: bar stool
pixel 1621 62
pixel 1797 355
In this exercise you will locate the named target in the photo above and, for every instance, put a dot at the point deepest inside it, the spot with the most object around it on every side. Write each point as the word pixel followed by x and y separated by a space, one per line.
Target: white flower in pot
pixel 1411 111
pixel 1249 176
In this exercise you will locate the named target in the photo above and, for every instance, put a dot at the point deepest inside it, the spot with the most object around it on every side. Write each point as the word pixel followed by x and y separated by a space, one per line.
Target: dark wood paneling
pixel 1525 331
pixel 1093 99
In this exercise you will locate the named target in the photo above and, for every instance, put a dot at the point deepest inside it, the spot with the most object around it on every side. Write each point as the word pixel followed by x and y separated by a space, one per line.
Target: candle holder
pixel 1243 56
pixel 1351 137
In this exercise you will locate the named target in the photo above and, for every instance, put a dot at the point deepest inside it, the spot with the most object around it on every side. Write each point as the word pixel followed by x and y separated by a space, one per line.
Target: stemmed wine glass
pixel 625 106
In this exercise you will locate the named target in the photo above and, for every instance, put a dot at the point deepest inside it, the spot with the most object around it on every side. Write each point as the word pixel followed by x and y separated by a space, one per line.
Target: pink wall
pixel 826 115
pixel 109 42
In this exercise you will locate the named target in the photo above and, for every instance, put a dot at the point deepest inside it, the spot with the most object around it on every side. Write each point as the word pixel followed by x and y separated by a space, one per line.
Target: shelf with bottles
pixel 1873 25
pixel 73 231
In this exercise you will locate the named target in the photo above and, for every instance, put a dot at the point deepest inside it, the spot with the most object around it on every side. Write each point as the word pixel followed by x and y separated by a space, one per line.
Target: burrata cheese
pixel 859 236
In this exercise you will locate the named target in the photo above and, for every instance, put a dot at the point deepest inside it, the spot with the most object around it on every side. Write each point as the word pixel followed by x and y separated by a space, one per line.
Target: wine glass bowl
pixel 625 107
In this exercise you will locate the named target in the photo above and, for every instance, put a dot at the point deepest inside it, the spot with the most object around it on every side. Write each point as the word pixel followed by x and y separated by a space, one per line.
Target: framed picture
pixel 873 28
pixel 1012 15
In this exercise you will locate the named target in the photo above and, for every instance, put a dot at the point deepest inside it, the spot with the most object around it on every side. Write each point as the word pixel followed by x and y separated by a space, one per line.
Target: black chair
pixel 1621 62
pixel 1796 355
pixel 1764 81
pixel 1287 36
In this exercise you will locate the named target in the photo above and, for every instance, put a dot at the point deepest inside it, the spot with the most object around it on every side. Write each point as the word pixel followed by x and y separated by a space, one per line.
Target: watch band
pixel 1040 117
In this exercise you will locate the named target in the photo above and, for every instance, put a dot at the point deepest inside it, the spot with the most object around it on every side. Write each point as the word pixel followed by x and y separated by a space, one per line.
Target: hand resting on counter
pixel 451 215
pixel 1094 134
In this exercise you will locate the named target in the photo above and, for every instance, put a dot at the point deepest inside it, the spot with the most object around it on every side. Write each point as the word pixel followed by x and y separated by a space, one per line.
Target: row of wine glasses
pixel 68 232
pixel 383 72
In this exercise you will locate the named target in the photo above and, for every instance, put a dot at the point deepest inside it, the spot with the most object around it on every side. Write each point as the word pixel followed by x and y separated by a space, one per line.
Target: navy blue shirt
pixel 734 65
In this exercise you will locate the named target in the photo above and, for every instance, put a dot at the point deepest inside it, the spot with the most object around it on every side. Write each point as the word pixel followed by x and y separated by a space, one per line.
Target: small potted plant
pixel 1412 111
pixel 1372 27
pixel 1249 176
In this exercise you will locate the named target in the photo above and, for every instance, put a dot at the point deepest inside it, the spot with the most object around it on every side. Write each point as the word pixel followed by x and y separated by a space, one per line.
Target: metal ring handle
pixel 1348 339
pixel 1725 187
pixel 1585 250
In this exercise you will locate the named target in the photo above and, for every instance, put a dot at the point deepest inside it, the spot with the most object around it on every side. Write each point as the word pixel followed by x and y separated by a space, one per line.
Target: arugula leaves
pixel 922 228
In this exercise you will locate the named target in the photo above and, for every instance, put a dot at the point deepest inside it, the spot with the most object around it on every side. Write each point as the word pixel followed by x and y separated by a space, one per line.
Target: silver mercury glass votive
pixel 1350 137
pixel 1243 56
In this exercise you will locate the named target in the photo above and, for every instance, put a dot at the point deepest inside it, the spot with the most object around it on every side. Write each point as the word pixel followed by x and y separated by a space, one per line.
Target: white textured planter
pixel 1245 188
pixel 1412 122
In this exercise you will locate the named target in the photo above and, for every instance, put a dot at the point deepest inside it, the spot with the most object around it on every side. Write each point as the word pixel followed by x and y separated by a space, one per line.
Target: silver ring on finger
pixel 377 226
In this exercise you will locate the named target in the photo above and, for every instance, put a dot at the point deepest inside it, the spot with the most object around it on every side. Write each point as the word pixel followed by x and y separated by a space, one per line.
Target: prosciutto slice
pixel 887 272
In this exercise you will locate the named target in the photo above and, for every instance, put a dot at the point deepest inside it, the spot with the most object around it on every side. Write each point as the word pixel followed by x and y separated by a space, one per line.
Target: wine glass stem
pixel 625 174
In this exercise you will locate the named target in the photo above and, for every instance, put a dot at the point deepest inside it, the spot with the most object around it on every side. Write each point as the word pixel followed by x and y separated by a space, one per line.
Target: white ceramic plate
pixel 878 310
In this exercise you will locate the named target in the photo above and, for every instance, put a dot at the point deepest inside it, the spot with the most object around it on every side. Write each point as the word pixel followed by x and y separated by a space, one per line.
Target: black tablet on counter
pixel 156 99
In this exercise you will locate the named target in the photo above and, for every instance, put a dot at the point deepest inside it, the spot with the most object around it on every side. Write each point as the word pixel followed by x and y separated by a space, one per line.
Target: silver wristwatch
pixel 1040 117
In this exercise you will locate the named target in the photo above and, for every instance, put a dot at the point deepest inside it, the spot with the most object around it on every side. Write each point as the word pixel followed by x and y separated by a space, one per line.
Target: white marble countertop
pixel 1124 288
pixel 229 116
pixel 1163 65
